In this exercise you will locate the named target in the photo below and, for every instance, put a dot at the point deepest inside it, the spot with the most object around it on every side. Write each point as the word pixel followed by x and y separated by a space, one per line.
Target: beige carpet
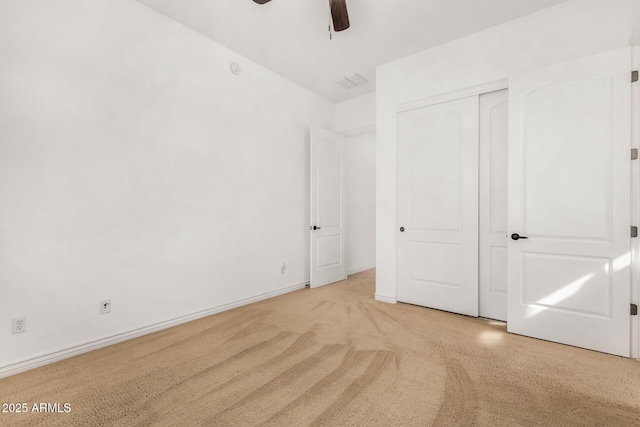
pixel 333 356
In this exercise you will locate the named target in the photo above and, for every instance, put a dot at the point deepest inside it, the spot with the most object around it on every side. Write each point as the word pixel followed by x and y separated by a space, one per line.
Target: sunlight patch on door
pixel 553 300
pixel 580 285
pixel 622 262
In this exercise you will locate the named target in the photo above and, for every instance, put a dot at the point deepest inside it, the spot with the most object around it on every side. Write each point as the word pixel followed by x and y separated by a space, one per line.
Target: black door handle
pixel 401 229
pixel 516 236
pixel 315 228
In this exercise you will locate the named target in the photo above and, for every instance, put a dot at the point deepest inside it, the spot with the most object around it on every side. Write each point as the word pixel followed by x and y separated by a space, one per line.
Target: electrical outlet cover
pixel 105 306
pixel 19 325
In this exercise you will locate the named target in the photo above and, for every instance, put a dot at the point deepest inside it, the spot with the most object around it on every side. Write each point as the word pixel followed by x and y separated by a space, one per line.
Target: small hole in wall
pixel 235 68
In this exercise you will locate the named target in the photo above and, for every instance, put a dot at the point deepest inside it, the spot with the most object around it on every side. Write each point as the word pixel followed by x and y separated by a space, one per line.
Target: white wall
pixel 356 119
pixel 360 174
pixel 134 166
pixel 569 30
pixel 356 114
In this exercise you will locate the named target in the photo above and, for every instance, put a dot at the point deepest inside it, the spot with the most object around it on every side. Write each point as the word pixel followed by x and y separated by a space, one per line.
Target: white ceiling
pixel 290 37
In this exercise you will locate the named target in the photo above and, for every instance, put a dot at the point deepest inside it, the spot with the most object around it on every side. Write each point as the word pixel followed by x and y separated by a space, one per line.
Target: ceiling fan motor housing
pixel 339 13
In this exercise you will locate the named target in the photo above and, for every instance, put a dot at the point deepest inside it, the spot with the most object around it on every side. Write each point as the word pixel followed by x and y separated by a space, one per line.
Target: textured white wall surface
pixel 356 114
pixel 135 166
pixel 360 155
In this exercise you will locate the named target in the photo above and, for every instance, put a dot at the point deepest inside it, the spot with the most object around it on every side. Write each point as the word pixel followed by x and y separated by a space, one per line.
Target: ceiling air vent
pixel 351 81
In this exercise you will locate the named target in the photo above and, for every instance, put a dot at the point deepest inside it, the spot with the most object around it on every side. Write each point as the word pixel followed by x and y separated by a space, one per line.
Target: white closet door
pixel 569 193
pixel 438 206
pixel 494 129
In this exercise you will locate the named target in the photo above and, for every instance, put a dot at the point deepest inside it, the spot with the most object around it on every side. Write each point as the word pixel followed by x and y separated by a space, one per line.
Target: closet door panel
pixel 438 206
pixel 494 128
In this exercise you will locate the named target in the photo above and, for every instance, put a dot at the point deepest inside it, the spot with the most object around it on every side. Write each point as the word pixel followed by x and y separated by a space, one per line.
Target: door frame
pixel 635 204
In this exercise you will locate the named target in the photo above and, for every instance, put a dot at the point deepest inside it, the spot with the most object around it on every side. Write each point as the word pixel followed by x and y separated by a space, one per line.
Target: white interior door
pixel 494 129
pixel 328 263
pixel 569 193
pixel 438 206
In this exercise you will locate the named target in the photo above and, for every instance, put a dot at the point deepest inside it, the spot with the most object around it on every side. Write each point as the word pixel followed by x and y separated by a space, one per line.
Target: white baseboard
pixel 359 269
pixel 45 359
pixel 384 298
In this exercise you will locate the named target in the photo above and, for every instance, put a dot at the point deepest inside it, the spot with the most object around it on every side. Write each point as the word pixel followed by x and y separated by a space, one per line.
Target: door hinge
pixel 634 76
pixel 634 154
pixel 634 231
pixel 634 309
